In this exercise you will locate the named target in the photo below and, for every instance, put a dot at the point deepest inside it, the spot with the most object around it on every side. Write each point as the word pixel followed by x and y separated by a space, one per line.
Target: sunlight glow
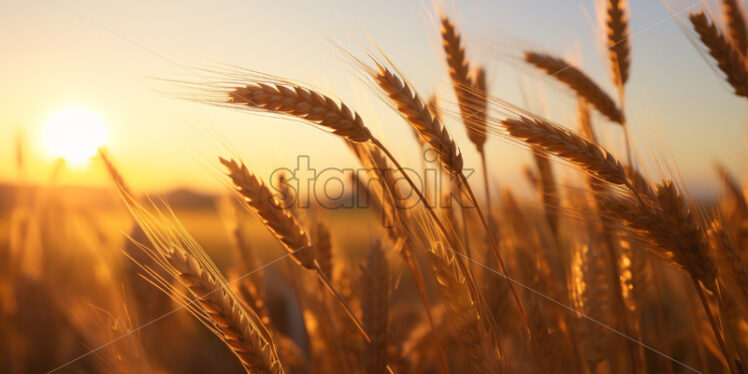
pixel 74 134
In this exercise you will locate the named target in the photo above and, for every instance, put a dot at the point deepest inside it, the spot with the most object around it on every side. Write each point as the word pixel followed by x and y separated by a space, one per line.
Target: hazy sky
pixel 106 56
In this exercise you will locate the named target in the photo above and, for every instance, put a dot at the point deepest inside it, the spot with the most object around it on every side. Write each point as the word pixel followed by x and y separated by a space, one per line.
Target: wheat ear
pixel 579 82
pixel 316 108
pixel 471 97
pixel 227 315
pixel 375 307
pixel 689 238
pixel 591 295
pixel 114 173
pixel 458 72
pixel 210 299
pixel 480 128
pixel 732 280
pixel 433 105
pixel 307 104
pixel 415 112
pixel 479 95
pixel 250 290
pixel 281 223
pixel 323 244
pixel 410 105
pixel 608 241
pixel 546 356
pixel 304 103
pixel 283 226
pixel 548 191
pixel 730 61
pixel 619 49
pixel 284 98
pixel 639 182
pixel 455 53
pixel 468 90
pixel 671 228
pixel 567 145
pixel 735 20
pixel 733 190
pixel 732 267
pixel 373 159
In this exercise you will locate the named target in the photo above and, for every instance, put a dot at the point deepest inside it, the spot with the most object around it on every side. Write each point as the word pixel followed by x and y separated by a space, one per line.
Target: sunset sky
pixel 107 58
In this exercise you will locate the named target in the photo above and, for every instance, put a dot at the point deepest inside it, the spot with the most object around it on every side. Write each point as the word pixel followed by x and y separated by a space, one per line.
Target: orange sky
pixel 106 57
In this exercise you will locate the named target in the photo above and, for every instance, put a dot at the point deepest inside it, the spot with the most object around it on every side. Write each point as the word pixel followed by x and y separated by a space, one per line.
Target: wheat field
pixel 616 269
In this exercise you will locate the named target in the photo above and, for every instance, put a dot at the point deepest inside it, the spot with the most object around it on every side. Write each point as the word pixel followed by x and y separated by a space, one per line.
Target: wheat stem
pixel 494 247
pixel 715 328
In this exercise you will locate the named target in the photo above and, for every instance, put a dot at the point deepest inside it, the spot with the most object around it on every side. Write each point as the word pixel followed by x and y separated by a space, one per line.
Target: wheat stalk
pixel 579 82
pixel 730 61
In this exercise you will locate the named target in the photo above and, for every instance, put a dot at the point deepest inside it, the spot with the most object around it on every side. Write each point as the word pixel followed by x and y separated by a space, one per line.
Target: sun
pixel 74 134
